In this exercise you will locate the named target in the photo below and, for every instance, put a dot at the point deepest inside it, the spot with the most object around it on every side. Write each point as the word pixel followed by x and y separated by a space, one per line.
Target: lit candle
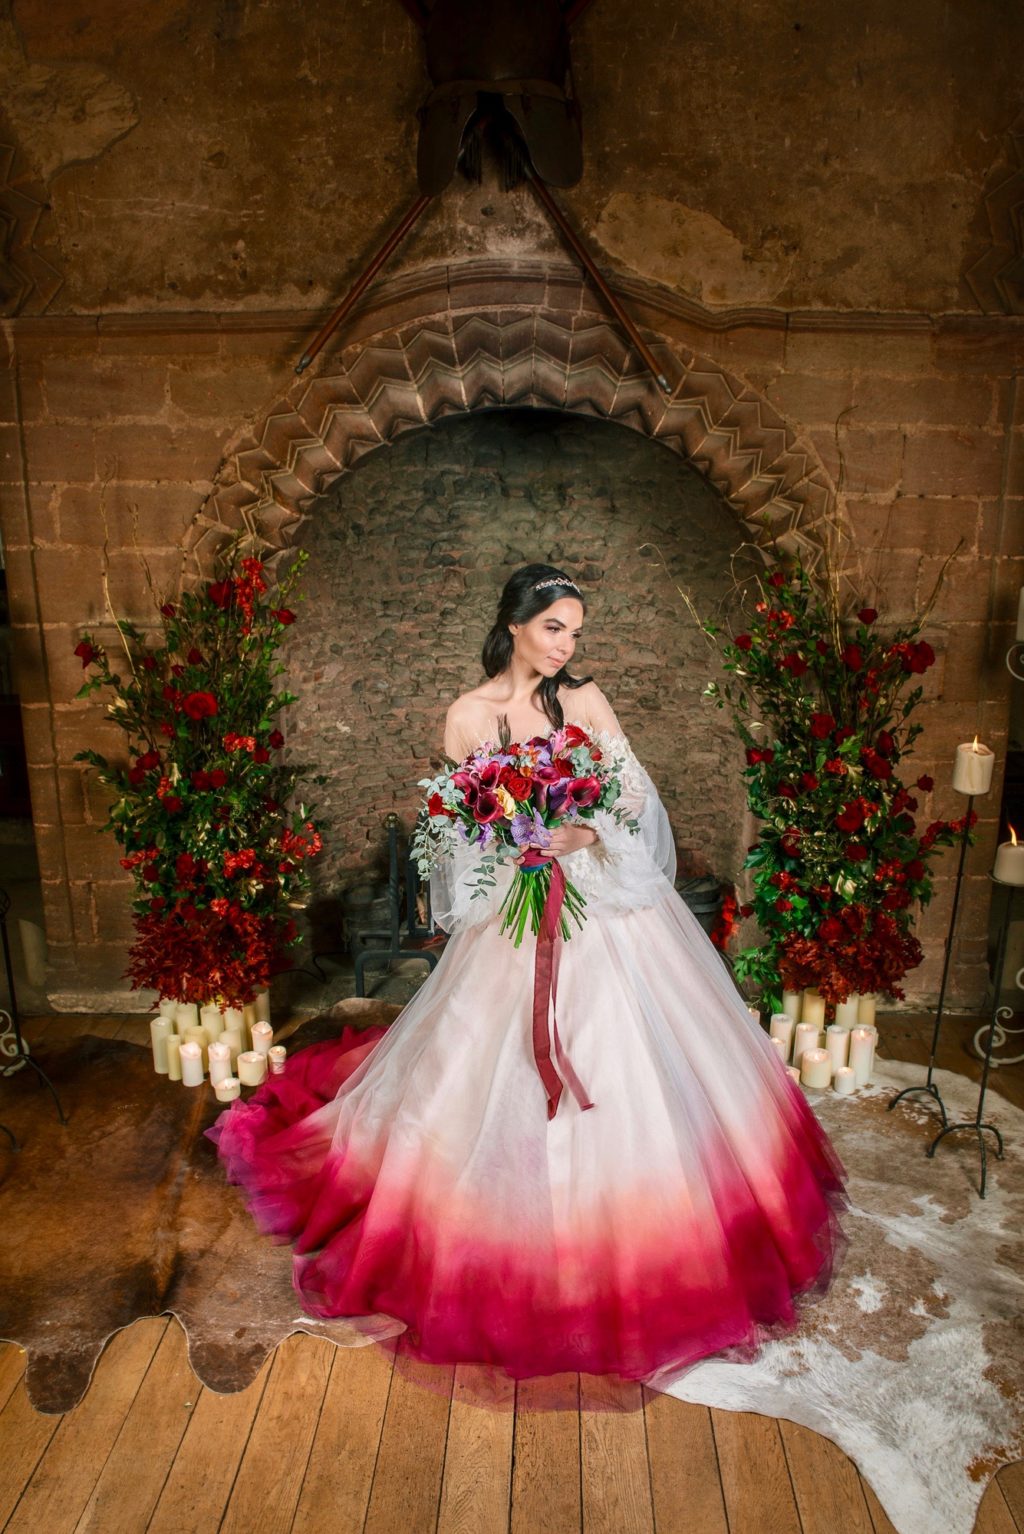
pixel 972 771
pixel 252 1068
pixel 866 1011
pixel 212 1019
pixel 191 1064
pixel 792 1072
pixel 815 1068
pixel 846 1012
pixel 806 1037
pixel 186 1016
pixel 228 1089
pixel 159 1031
pixel 262 1037
pixel 220 1061
pixel 1009 864
pixel 197 1035
pixel 813 1009
pixel 861 1051
pixel 263 1007
pixel 277 1058
pixel 837 1042
pixel 233 1039
pixel 174 1057
pixel 845 1080
pixel 781 1028
pixel 791 1004
pixel 779 1045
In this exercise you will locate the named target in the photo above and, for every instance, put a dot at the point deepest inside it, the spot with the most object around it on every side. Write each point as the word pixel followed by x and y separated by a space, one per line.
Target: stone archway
pixel 567 356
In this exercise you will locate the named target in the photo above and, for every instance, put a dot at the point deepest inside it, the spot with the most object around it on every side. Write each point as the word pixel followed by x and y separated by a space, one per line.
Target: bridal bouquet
pixel 500 800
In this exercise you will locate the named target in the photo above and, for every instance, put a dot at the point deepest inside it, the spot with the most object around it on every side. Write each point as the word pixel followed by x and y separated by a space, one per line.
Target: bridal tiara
pixel 556 580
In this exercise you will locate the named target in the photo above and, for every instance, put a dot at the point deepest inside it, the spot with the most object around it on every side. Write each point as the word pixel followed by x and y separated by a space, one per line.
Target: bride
pixel 680 1196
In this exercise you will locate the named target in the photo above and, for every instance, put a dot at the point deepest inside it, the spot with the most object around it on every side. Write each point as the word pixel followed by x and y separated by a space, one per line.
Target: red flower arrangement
pixel 199 808
pixel 839 864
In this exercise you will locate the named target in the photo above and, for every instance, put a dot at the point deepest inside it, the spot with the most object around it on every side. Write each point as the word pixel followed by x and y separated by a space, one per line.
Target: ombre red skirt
pixel 420 1178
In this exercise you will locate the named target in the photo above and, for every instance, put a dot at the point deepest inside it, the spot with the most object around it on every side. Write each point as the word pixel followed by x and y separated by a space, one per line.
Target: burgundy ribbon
pixel 545 983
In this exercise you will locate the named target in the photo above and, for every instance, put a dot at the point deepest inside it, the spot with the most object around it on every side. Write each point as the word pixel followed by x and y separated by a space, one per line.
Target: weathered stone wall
pixel 122 413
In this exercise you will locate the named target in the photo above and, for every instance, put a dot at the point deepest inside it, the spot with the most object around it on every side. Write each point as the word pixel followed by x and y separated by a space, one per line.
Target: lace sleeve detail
pixel 626 868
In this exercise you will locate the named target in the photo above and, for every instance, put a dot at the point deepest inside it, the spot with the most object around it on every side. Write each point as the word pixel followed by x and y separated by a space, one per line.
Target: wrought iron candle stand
pixel 12 1045
pixel 976 1124
pixel 395 949
pixel 928 1085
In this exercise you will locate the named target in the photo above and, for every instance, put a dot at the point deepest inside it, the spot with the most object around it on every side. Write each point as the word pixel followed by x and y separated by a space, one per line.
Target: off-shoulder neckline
pixel 492 740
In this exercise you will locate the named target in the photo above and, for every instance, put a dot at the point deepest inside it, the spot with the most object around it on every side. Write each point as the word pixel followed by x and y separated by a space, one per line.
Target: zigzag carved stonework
pixel 30 257
pixel 405 378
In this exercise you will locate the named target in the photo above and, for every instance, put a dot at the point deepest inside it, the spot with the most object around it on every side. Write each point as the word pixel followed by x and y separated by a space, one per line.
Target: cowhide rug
pixel 913 1363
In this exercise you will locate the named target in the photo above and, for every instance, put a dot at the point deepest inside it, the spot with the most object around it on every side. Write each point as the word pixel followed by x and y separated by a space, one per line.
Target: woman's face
pixel 547 642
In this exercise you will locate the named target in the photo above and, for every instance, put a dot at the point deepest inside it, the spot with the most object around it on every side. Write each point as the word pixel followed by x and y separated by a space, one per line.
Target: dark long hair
pixel 519 602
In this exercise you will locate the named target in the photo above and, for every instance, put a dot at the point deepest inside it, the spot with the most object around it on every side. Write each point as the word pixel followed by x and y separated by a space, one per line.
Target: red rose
pixel 793 663
pixel 201 780
pixel 896 900
pixel 218 777
pixel 925 783
pixel 166 729
pixel 518 786
pixel 276 739
pixel 789 841
pixel 148 663
pixel 852 656
pixel 822 725
pixel 151 873
pixel 148 760
pixel 177 670
pixel 194 657
pixel 830 930
pixel 743 641
pixel 200 705
pixel 284 615
pixel 844 733
pixel 261 755
pixel 86 653
pixel 851 817
pixel 185 865
pixel 574 736
pixel 856 852
pixel 867 615
pixel 746 910
pixel 136 776
pixel 915 869
pixel 777 579
pixel 220 594
pixel 168 609
pixel 435 805
pixel 786 791
pixel 885 743
pixel 836 766
pixel 172 804
pixel 782 904
pixel 808 781
pixel 757 754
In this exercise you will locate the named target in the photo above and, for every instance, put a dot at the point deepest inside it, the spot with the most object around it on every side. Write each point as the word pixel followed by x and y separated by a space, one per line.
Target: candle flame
pixel 975 745
pixel 1013 836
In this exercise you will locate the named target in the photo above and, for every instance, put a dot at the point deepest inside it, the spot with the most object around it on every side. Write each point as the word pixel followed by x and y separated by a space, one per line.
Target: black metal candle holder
pixel 19 1055
pixel 976 1124
pixel 928 1085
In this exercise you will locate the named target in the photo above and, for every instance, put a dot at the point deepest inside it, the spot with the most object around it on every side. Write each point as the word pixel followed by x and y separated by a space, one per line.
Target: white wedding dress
pixel 421 1179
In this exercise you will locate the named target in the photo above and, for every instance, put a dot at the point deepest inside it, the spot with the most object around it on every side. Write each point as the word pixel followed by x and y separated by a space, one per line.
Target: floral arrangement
pixel 840 861
pixel 499 800
pixel 200 808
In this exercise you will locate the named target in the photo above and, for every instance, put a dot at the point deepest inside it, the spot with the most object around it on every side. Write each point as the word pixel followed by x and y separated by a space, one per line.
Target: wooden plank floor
pixel 337 1440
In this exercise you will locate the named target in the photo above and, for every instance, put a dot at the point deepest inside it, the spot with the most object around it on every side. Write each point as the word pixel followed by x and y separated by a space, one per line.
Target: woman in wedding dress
pixel 677 1199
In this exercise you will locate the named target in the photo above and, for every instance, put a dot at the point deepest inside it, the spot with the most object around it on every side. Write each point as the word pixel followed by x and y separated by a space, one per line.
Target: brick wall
pixel 133 415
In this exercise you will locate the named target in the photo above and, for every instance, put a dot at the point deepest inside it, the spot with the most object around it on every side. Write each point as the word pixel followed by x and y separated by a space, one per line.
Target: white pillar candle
pixel 191 1064
pixel 159 1031
pixel 755 1013
pixel 276 1056
pixel 186 1016
pixel 972 770
pixel 220 1061
pixel 844 1080
pixel 813 1009
pixel 866 1011
pixel 263 1007
pixel 252 1068
pixel 860 1055
pixel 792 1072
pixel 781 1028
pixel 212 1019
pixel 197 1035
pixel 233 1019
pixel 173 1057
pixel 262 1037
pixel 837 1042
pixel 228 1089
pixel 815 1068
pixel 806 1037
pixel 1009 864
pixel 248 1018
pixel 233 1039
pixel 791 1001
pixel 779 1046
pixel 846 1012
pixel 874 1046
pixel 167 1007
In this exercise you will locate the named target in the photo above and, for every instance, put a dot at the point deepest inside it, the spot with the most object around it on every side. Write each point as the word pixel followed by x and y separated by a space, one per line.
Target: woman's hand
pixel 564 839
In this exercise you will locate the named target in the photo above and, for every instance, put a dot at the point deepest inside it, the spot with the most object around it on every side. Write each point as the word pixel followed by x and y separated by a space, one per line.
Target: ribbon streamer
pixel 545 983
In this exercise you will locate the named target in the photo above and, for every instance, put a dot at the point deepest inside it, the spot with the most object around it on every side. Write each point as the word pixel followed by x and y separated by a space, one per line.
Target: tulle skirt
pixel 418 1174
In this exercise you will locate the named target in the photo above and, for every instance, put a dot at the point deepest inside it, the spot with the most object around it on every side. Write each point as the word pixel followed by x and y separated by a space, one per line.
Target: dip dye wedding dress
pixel 675 1201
